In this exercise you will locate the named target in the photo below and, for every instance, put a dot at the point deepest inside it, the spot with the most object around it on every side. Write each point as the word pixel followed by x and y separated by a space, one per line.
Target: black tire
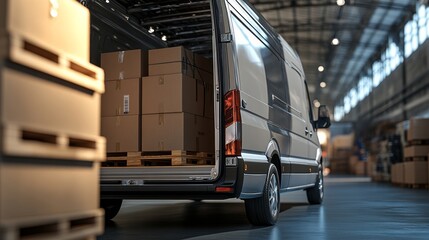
pixel 111 207
pixel 264 211
pixel 315 194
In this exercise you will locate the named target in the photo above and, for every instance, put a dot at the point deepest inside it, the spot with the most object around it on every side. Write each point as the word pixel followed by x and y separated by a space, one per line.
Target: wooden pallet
pixel 84 225
pixel 416 158
pixel 159 158
pixel 418 142
pixel 37 142
pixel 44 58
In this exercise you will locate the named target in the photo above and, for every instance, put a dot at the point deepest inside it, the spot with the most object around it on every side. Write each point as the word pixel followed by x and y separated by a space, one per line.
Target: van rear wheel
pixel 111 207
pixel 264 211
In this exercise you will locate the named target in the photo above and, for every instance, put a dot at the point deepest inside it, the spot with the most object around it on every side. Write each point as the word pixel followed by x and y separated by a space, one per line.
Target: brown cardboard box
pixel 65 27
pixel 169 131
pixel 416 151
pixel 122 133
pixel 203 63
pixel 360 168
pixel 31 102
pixel 416 172
pixel 343 141
pixel 122 97
pixel 419 129
pixel 171 68
pixel 397 172
pixel 34 188
pixel 172 94
pixel 125 64
pixel 205 134
pixel 371 165
pixel 172 54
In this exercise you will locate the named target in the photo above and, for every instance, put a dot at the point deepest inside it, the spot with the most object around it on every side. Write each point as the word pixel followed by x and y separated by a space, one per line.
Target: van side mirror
pixel 323 120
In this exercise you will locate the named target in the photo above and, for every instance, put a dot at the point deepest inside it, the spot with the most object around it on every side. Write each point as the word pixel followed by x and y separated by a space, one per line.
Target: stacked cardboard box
pixel 415 154
pixel 340 153
pixel 50 122
pixel 121 103
pixel 177 102
pixel 170 109
pixel 397 173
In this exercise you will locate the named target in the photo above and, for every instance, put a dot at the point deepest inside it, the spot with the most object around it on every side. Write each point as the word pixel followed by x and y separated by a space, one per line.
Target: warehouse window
pixel 422 23
pixel 377 73
pixel 338 113
pixel 407 39
pixel 353 97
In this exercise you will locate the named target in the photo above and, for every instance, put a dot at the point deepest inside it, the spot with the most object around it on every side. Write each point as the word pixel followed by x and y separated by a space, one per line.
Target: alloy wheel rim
pixel 273 196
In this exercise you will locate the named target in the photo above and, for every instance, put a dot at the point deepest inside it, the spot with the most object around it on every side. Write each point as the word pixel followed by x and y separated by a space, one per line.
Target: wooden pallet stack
pixel 50 143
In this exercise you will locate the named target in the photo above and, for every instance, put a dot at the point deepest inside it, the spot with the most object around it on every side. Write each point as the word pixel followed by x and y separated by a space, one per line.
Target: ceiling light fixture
pixel 164 38
pixel 316 103
pixel 322 84
pixel 341 2
pixel 321 68
pixel 151 30
pixel 335 41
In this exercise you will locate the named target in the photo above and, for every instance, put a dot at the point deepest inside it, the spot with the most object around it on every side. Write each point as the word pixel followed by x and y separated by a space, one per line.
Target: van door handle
pixel 306 131
pixel 311 133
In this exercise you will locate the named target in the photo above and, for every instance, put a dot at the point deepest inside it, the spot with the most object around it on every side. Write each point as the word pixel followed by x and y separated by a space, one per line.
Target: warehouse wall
pixel 400 96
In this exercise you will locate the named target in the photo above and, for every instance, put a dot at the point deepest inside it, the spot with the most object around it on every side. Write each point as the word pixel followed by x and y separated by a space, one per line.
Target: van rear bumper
pixel 232 177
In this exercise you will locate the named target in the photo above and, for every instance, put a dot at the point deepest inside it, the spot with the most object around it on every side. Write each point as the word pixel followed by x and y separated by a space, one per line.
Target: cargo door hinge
pixel 226 37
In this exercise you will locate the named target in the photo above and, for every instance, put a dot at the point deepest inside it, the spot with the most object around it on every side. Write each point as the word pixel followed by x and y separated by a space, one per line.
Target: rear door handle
pixel 306 131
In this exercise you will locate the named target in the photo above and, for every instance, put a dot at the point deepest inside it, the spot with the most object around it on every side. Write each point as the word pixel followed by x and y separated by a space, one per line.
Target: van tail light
pixel 232 123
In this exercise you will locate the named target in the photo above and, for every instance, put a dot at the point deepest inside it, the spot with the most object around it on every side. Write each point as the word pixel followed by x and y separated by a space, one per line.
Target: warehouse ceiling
pixel 361 27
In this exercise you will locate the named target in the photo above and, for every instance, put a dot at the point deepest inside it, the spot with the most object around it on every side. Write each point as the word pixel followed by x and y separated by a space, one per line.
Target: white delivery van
pixel 265 134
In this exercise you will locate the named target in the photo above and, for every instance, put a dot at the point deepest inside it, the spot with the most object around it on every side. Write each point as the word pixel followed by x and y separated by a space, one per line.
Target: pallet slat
pixel 84 225
pixel 169 158
pixel 36 142
pixel 42 57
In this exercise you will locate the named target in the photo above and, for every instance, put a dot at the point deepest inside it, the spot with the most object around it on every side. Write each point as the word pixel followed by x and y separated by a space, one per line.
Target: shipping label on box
pixel 125 64
pixel 122 133
pixel 122 97
pixel 172 93
pixel 172 54
pixel 169 131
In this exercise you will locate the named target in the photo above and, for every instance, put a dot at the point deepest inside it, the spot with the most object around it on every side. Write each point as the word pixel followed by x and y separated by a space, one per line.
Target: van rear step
pixel 159 158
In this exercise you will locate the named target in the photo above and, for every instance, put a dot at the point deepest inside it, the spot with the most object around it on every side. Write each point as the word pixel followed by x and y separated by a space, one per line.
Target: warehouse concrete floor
pixel 354 208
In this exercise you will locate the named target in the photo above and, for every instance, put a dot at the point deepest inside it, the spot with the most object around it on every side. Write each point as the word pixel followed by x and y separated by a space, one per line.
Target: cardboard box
pixel 171 68
pixel 343 141
pixel 169 131
pixel 125 64
pixel 360 168
pixel 416 151
pixel 172 94
pixel 172 54
pixel 122 133
pixel 203 63
pixel 397 172
pixel 30 101
pixel 416 172
pixel 32 188
pixel 419 129
pixel 65 27
pixel 122 97
pixel 205 134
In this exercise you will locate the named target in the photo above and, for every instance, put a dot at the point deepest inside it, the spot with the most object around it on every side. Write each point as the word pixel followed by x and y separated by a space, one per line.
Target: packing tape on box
pixel 161 107
pixel 161 145
pixel 121 75
pixel 118 85
pixel 118 146
pixel 121 56
pixel 160 119
pixel 118 121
